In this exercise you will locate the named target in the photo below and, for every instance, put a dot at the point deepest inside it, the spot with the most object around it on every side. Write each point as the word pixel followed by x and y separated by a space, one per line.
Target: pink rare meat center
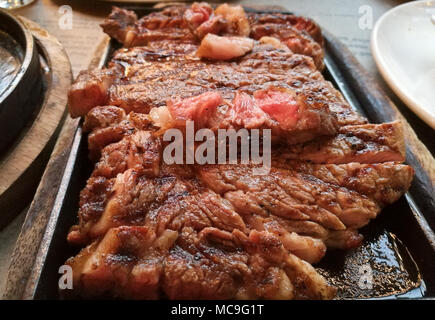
pixel 197 108
pixel 280 106
pixel 197 14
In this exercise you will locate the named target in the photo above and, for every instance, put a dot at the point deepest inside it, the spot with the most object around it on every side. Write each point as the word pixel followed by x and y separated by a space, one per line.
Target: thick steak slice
pixel 90 89
pixel 296 41
pixel 135 263
pixel 167 24
pixel 369 143
pixel 167 201
pixel 190 25
pixel 151 83
pixel 303 24
pixel 288 116
pixel 384 182
pixel 290 195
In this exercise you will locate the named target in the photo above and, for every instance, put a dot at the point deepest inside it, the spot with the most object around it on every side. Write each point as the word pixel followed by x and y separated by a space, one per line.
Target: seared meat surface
pixel 211 264
pixel 185 25
pixel 167 75
pixel 368 143
pixel 280 110
pixel 219 231
pixel 300 34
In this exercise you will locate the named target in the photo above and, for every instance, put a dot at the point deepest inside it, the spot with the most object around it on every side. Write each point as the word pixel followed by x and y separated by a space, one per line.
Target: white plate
pixel 403 46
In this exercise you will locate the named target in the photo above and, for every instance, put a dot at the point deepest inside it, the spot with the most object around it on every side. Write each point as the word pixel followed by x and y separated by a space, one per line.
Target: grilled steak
pixel 219 231
pixel 185 25
pixel 301 35
pixel 368 143
pixel 133 262
pixel 136 88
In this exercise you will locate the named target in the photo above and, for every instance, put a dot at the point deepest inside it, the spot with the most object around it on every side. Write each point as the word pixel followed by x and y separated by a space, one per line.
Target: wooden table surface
pixel 349 20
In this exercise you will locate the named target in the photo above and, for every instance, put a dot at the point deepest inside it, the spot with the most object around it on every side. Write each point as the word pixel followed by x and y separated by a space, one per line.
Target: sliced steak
pixel 302 24
pixel 384 182
pixel 188 25
pixel 135 263
pixel 184 76
pixel 289 195
pixel 289 117
pixel 296 41
pixel 222 231
pixel 167 201
pixel 369 143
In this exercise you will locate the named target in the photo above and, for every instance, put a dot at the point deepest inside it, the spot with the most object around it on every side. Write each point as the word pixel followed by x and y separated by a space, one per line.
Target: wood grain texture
pixel 22 165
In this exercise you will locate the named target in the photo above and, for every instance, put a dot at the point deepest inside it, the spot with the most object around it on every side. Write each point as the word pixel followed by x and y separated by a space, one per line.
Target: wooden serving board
pixel 22 164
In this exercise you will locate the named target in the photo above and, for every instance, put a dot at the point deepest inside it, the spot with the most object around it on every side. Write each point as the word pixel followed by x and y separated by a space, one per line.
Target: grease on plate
pixel 382 267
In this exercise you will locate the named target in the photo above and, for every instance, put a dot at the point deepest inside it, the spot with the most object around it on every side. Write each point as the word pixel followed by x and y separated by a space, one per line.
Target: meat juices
pixel 217 231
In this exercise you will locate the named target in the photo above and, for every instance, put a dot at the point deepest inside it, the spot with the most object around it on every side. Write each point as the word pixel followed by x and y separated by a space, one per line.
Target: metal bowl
pixel 18 91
